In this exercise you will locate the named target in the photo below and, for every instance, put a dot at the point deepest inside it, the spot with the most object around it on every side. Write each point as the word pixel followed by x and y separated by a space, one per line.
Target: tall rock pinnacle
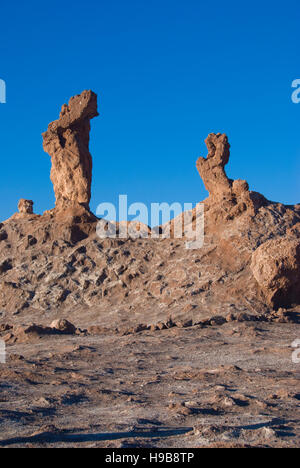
pixel 211 169
pixel 231 196
pixel 67 142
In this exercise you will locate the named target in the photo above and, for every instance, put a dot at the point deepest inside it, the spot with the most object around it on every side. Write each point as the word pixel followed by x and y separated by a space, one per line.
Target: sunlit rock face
pixel 67 142
pixel 25 206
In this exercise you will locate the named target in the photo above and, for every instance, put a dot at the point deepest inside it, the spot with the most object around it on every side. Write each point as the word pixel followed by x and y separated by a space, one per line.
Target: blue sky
pixel 167 73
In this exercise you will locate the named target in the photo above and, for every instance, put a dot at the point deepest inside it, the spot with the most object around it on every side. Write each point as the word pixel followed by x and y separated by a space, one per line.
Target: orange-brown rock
pixel 64 326
pixel 211 169
pixel 232 196
pixel 67 142
pixel 57 261
pixel 276 268
pixel 25 206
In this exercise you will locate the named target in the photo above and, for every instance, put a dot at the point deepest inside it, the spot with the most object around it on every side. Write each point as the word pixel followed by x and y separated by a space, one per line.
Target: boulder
pixel 25 206
pixel 63 326
pixel 276 267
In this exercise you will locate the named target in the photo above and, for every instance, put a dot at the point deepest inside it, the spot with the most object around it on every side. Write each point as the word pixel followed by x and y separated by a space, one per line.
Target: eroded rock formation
pixel 232 195
pixel 57 261
pixel 25 206
pixel 67 142
pixel 211 169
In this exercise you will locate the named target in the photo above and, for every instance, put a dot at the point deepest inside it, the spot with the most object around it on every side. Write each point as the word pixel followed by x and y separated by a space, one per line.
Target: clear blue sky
pixel 167 73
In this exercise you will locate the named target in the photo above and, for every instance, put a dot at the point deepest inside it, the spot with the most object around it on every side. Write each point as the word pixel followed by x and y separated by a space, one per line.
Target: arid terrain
pixel 141 342
pixel 226 385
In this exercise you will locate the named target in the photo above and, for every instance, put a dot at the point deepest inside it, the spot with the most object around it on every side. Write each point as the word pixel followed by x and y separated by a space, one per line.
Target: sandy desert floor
pixel 230 385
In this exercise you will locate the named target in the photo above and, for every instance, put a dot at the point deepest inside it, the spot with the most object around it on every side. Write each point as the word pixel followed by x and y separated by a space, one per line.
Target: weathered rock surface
pixel 63 326
pixel 25 206
pixel 212 170
pixel 57 261
pixel 67 142
pixel 233 196
pixel 276 267
pixel 48 264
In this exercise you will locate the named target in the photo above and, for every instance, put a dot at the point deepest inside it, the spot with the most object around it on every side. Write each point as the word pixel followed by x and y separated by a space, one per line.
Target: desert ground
pixel 216 385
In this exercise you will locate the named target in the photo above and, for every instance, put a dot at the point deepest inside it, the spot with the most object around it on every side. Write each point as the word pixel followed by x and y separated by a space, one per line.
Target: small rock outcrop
pixel 67 142
pixel 276 267
pixel 25 206
pixel 63 326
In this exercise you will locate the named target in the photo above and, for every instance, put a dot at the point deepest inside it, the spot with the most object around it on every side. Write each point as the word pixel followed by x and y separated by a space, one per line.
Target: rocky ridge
pixel 56 262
